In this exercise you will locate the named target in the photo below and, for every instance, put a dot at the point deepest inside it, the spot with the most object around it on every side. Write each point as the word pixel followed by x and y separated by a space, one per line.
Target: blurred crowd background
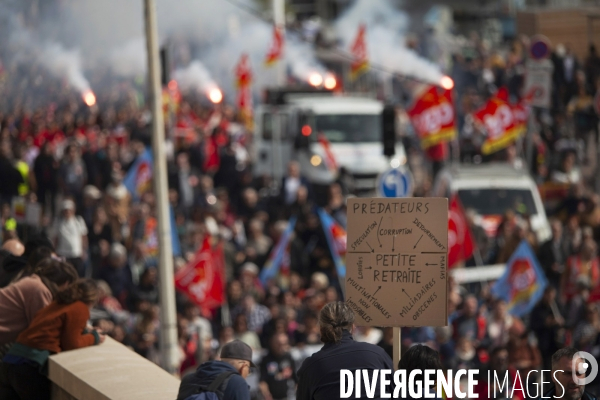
pixel 68 162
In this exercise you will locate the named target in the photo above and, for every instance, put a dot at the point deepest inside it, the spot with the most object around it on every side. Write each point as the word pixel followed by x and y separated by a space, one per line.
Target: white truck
pixel 491 190
pixel 327 134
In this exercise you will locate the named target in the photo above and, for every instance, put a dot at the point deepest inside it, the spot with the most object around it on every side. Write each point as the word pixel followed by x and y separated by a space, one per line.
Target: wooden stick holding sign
pixel 396 263
pixel 397 345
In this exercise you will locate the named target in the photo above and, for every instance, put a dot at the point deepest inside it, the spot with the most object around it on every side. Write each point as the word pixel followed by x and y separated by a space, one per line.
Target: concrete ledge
pixel 109 371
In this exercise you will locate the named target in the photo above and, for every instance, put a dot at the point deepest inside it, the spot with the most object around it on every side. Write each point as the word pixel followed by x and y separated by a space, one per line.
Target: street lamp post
pixel 168 327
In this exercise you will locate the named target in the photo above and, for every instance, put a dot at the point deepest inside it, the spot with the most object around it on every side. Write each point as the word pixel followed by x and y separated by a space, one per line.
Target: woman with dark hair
pixel 22 300
pixel 59 327
pixel 319 376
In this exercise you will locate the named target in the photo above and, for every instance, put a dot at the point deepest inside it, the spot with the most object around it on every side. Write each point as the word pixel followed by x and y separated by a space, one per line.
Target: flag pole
pixel 168 326
pixel 478 258
pixel 279 22
pixel 225 311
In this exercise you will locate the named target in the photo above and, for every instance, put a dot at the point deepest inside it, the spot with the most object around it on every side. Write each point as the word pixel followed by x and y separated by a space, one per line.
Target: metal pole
pixel 531 125
pixel 277 150
pixel 168 326
pixel 598 157
pixel 279 21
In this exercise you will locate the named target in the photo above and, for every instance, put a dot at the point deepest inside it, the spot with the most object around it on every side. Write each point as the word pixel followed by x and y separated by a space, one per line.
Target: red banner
pixel 330 160
pixel 503 122
pixel 360 64
pixel 276 51
pixel 460 240
pixel 202 279
pixel 433 117
pixel 243 79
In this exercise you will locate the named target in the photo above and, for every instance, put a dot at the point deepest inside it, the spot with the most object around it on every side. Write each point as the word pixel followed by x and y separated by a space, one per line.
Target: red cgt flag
pixel 360 64
pixel 503 122
pixel 243 79
pixel 460 240
pixel 202 279
pixel 243 72
pixel 276 50
pixel 433 117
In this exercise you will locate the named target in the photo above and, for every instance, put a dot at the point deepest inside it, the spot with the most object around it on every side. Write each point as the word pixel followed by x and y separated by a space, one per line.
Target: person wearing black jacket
pixel 225 377
pixel 553 254
pixel 319 375
pixel 11 177
pixel 291 183
pixel 562 376
pixel 278 370
pixel 546 324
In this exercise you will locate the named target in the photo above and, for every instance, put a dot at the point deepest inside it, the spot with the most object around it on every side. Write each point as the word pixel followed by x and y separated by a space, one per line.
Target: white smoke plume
pixel 195 77
pixel 63 63
pixel 109 34
pixel 129 59
pixel 301 63
pixel 386 27
pixel 221 33
pixel 253 40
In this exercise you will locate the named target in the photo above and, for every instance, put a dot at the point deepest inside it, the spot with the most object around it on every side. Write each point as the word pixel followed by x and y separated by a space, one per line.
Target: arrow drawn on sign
pixel 393 242
pixel 376 291
pixel 379 226
pixel 372 250
pixel 415 246
pixel 430 265
pixel 406 294
pixel 369 267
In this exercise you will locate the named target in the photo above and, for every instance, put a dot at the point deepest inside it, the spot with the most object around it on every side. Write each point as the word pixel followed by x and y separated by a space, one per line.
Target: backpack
pixel 214 390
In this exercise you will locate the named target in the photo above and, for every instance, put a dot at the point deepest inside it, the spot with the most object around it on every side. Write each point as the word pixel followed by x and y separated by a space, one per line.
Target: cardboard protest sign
pixel 396 261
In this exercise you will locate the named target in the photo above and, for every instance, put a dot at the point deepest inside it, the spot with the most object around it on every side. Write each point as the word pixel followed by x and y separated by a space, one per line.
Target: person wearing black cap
pixel 224 377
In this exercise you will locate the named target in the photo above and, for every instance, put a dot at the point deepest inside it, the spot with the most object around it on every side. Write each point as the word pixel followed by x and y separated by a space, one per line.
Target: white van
pixel 351 125
pixel 491 190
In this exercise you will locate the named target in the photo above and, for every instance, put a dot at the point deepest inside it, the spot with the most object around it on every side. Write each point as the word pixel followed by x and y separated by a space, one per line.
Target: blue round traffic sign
pixel 395 182
pixel 539 47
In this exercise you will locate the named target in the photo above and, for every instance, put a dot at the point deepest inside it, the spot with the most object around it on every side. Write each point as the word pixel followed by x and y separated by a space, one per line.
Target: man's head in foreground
pixel 239 355
pixel 14 247
pixel 563 367
pixel 420 357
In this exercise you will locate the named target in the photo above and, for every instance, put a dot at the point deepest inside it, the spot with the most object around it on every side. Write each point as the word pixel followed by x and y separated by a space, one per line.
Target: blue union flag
pixel 523 283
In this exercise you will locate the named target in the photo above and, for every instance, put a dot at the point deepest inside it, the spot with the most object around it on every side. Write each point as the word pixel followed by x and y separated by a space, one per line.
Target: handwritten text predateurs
pixel 375 207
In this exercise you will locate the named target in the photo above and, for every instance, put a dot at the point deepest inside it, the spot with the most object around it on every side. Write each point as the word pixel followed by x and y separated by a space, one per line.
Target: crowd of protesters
pixel 71 160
